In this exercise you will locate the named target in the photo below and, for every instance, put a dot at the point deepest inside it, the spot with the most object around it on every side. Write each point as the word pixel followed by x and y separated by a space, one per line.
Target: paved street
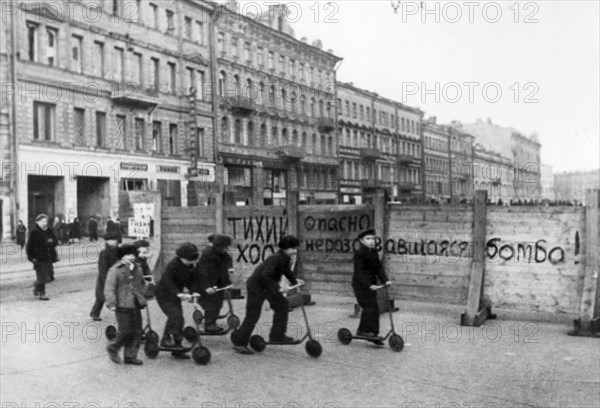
pixel 52 352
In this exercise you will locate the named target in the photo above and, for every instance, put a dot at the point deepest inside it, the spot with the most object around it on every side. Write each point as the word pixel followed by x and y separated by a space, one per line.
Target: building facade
pixel 547 182
pixel 102 105
pixel 521 150
pixel 276 111
pixel 436 139
pixel 573 186
pixel 380 146
pixel 493 173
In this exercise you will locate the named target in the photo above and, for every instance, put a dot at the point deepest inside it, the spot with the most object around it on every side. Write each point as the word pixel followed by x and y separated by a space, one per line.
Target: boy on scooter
pixel 177 275
pixel 213 270
pixel 264 284
pixel 367 268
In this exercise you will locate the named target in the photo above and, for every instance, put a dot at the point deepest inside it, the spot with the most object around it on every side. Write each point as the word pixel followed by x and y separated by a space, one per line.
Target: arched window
pixel 304 140
pixel 237 132
pixel 250 92
pixel 263 135
pixel 323 146
pixel 236 83
pixel 330 151
pixel 314 146
pixel 224 129
pixel 250 129
pixel 294 137
pixel 272 95
pixel 312 106
pixel 294 101
pixel 222 83
pixel 261 93
pixel 329 113
pixel 303 105
pixel 321 107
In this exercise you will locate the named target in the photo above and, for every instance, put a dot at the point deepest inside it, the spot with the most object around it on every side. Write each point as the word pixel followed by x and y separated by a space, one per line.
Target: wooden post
pixel 291 205
pixel 476 313
pixel 219 227
pixel 588 323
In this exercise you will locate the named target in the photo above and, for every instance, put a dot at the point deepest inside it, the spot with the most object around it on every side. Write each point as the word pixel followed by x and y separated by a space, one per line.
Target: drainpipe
pixel 214 15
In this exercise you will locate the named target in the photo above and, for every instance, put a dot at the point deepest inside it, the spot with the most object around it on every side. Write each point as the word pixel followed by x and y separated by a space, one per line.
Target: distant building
pixel 573 185
pixel 547 182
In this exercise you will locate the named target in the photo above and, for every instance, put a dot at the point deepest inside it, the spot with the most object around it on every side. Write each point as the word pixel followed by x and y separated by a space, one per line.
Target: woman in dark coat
pixel 75 230
pixel 21 234
pixel 41 251
pixel 367 268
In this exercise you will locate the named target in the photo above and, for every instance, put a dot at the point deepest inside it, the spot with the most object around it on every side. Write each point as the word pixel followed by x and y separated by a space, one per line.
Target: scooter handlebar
pixel 223 288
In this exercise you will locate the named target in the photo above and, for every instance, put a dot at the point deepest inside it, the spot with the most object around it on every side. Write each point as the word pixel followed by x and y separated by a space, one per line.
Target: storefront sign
pixel 134 166
pixel 167 169
pixel 348 190
pixel 325 196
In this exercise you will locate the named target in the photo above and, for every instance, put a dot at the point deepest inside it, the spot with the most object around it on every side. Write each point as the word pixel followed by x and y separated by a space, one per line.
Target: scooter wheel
pixel 201 355
pixel 396 343
pixel 152 336
pixel 110 332
pixel 233 322
pixel 198 317
pixel 344 336
pixel 313 348
pixel 190 334
pixel 257 343
pixel 151 349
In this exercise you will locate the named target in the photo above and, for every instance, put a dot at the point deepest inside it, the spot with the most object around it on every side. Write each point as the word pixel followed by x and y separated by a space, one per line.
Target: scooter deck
pixel 221 333
pixel 371 339
pixel 285 343
pixel 177 349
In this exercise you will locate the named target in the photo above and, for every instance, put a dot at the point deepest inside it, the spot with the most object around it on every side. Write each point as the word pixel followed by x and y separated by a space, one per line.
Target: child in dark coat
pixel 367 268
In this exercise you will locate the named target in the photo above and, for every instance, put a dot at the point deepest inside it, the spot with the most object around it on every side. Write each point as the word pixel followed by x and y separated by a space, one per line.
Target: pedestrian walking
pixel 41 251
pixel 21 234
pixel 75 230
pixel 93 229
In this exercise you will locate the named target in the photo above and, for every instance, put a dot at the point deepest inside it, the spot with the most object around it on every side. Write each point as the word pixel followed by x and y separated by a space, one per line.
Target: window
pixel 260 56
pixel 155 79
pixel 79 126
pixel 353 110
pixel 221 42
pixel 282 64
pixel 138 69
pixel 187 23
pixel 170 22
pixel 224 130
pixel 222 83
pixel 120 132
pixel 101 129
pixel 348 108
pixel 199 85
pixel 173 133
pixel 237 132
pixel 272 94
pixel 238 176
pixel 140 133
pixel 200 142
pixel 156 137
pixel 119 64
pixel 76 57
pixel 99 59
pixel 44 121
pixel 234 46
pixel 200 31
pixel 250 132
pixel 32 41
pixel 154 9
pixel 52 47
pixel 247 55
pixel 172 77
pixel 302 72
pixel 402 122
pixel 361 112
pixel 292 67
pixel 271 60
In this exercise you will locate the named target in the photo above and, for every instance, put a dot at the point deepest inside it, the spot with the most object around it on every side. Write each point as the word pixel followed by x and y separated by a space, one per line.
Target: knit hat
pixel 111 235
pixel 126 249
pixel 364 233
pixel 289 241
pixel 188 251
pixel 140 243
pixel 210 238
pixel 221 241
pixel 41 216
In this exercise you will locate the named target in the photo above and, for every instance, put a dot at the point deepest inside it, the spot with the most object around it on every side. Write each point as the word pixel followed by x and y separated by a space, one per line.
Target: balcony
pixel 325 124
pixel 405 159
pixel 239 104
pixel 135 97
pixel 367 153
pixel 406 186
pixel 290 153
pixel 462 177
pixel 371 184
pixel 496 181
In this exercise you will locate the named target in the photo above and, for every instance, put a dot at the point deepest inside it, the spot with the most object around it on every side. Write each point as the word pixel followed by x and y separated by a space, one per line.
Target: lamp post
pixel 193 142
